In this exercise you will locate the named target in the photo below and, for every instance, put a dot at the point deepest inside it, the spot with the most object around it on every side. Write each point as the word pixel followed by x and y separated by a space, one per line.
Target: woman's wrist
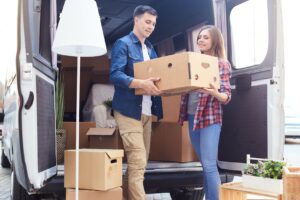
pixel 222 97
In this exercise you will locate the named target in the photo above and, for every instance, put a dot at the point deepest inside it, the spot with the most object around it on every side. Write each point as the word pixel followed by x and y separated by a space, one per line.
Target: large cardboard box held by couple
pixel 171 142
pixel 182 72
pixel 99 169
pixel 113 194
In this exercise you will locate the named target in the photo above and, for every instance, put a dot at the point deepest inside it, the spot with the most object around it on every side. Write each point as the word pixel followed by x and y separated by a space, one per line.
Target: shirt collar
pixel 136 40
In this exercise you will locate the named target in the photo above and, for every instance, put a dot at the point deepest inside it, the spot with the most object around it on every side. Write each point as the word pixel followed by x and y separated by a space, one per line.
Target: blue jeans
pixel 205 142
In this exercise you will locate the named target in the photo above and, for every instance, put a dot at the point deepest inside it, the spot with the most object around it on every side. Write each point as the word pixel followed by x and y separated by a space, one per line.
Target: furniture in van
pixel 94 108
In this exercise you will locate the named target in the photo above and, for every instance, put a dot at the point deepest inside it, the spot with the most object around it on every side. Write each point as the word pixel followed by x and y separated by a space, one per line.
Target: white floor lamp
pixel 79 34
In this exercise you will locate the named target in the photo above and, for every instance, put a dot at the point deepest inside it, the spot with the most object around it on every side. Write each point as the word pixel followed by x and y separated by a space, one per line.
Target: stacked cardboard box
pixel 112 194
pixel 100 174
pixel 104 138
pixel 170 141
pixel 171 108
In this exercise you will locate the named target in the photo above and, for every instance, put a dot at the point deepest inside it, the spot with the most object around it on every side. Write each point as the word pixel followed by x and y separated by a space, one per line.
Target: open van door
pixel 29 123
pixel 254 119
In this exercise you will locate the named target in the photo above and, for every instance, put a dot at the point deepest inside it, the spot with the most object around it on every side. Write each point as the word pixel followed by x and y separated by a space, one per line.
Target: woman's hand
pixel 213 91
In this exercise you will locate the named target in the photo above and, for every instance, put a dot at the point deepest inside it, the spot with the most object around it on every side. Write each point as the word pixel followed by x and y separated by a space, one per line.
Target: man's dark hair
pixel 141 9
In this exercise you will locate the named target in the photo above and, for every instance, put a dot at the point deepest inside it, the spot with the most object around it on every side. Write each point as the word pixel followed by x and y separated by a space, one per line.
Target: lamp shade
pixel 79 32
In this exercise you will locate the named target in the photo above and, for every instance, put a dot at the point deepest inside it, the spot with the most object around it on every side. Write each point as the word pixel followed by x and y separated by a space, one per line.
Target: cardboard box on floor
pixel 99 169
pixel 171 142
pixel 104 138
pixel 114 194
pixel 180 72
pixel 71 133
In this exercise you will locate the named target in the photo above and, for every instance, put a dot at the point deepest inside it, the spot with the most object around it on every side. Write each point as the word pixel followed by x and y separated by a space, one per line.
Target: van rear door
pixel 34 144
pixel 254 119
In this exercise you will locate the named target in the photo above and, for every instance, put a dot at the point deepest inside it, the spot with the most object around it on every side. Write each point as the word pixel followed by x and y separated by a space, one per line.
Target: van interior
pixel 174 25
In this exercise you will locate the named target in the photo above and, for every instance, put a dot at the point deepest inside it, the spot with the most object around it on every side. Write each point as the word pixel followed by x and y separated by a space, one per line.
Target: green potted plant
pixel 59 110
pixel 108 103
pixel 264 175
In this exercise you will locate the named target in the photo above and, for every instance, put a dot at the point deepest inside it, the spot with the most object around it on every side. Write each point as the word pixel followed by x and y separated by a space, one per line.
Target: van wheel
pixel 4 160
pixel 19 193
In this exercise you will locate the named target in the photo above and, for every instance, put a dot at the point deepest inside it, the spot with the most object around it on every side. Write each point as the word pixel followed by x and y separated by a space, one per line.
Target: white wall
pixel 291 16
pixel 8 35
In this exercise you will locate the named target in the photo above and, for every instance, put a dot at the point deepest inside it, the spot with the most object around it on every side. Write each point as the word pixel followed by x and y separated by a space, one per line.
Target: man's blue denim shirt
pixel 125 52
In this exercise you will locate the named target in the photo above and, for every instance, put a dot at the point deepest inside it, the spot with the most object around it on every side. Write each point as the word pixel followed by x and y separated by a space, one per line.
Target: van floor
pixel 290 154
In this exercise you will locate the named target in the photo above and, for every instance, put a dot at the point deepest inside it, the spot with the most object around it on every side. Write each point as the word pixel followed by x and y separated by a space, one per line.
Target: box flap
pixel 101 131
pixel 114 153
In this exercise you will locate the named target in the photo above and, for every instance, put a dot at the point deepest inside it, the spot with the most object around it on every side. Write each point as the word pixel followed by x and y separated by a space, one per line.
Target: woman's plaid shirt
pixel 209 109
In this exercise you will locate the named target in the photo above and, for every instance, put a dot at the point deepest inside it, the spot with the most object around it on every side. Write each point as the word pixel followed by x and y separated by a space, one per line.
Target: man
pixel 133 112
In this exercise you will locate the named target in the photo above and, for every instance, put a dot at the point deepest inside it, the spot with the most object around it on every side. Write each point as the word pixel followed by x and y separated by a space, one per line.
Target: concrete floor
pixel 4 181
pixel 4 184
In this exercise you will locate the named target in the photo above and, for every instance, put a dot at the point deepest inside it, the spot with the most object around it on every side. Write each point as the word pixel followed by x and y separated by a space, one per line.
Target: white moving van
pixel 253 120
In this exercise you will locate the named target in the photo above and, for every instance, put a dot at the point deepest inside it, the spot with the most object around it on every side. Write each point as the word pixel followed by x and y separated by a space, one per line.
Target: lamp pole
pixel 77 128
pixel 81 39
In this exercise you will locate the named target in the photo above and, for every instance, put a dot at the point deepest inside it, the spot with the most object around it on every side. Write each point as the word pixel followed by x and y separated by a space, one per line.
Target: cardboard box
pixel 171 142
pixel 171 109
pixel 180 73
pixel 114 194
pixel 69 75
pixel 71 134
pixel 99 169
pixel 98 63
pixel 104 138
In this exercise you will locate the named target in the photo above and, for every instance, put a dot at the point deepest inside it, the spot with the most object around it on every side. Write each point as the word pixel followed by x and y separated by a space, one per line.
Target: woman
pixel 203 111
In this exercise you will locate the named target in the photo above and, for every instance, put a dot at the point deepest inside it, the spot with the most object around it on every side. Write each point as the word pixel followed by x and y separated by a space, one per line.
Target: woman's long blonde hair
pixel 217 47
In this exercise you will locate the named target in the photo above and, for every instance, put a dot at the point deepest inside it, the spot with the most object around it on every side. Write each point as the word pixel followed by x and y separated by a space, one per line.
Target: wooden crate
pixel 236 191
pixel 291 183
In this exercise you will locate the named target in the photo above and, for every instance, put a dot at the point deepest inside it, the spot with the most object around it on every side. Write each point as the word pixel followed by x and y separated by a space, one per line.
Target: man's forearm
pixel 136 83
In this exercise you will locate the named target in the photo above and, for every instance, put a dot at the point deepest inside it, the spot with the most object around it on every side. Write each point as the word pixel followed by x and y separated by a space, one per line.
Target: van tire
pixel 19 193
pixel 4 161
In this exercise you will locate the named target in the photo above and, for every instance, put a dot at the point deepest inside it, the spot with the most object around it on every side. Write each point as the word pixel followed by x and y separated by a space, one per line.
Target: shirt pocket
pixel 134 54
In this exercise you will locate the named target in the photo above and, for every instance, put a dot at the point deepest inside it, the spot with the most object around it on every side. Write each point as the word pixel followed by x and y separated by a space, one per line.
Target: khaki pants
pixel 136 137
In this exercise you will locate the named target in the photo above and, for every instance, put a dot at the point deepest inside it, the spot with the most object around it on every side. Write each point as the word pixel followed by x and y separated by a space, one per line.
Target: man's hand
pixel 149 86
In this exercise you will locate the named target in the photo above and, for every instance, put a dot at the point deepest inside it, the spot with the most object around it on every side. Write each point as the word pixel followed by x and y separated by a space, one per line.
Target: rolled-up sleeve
pixel 118 65
pixel 225 75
